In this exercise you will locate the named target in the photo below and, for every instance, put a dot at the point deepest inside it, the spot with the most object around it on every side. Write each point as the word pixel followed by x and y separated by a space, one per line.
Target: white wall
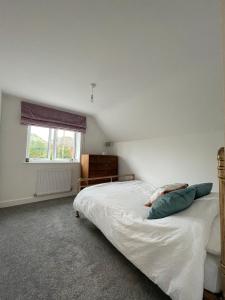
pixel 17 179
pixel 187 158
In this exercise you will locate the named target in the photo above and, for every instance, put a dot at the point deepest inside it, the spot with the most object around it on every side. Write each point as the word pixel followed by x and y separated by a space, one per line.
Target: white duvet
pixel 170 251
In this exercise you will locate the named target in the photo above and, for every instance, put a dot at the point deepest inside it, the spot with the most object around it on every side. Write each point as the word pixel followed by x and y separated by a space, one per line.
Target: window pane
pixel 64 140
pixel 38 147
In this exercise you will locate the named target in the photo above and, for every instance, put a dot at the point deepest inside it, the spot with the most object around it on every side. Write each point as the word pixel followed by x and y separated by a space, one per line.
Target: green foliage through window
pixel 53 144
pixel 38 147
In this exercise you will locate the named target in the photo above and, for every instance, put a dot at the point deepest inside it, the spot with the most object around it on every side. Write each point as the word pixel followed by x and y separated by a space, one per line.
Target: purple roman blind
pixel 33 114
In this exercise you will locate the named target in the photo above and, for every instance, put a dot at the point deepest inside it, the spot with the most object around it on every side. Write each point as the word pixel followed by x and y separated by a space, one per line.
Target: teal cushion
pixel 202 189
pixel 172 203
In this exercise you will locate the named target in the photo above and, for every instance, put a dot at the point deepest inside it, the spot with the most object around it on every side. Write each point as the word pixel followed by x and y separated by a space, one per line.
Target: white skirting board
pixel 21 201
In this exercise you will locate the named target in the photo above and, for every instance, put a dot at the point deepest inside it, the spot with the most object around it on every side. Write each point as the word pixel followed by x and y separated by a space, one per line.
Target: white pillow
pixel 165 189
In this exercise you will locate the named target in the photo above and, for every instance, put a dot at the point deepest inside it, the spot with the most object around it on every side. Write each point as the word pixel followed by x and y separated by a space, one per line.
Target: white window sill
pixel 51 162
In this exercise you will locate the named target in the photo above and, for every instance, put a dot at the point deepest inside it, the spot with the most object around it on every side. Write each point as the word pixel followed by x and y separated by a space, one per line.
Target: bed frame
pixel 85 182
pixel 221 176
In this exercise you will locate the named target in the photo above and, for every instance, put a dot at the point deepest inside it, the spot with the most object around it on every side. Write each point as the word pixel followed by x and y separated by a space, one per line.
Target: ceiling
pixel 157 63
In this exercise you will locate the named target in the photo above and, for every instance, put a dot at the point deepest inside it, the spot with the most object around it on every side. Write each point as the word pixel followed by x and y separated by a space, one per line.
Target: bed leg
pixel 210 296
pixel 77 214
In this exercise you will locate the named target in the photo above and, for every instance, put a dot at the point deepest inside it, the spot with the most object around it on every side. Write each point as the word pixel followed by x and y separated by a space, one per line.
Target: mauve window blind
pixel 34 114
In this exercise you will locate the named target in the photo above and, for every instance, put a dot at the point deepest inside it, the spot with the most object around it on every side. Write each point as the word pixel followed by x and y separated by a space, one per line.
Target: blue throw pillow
pixel 172 203
pixel 202 189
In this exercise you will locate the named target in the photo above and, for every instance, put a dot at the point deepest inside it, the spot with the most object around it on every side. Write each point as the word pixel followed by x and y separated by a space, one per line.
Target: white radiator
pixel 53 181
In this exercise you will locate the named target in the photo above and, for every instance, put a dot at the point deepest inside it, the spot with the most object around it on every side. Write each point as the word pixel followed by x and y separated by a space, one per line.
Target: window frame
pixel 52 139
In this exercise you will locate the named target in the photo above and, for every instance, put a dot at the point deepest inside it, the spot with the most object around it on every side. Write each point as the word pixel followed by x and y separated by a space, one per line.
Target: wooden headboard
pixel 221 175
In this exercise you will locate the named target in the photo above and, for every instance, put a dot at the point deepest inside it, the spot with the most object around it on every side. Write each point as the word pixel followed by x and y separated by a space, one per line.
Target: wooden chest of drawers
pixel 98 165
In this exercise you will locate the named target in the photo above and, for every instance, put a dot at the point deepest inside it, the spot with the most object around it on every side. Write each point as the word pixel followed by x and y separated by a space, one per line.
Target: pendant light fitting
pixel 93 85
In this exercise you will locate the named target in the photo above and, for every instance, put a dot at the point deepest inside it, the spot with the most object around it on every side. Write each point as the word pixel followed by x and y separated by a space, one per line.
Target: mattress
pixel 214 246
pixel 212 281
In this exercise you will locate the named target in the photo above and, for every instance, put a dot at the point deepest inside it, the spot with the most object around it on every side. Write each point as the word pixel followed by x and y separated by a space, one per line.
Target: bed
pixel 180 253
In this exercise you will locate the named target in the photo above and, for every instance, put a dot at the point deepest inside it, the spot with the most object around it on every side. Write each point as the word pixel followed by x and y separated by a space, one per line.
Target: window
pixel 47 144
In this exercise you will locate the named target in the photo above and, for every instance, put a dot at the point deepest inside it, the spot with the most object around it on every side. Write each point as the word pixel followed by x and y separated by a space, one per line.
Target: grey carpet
pixel 46 253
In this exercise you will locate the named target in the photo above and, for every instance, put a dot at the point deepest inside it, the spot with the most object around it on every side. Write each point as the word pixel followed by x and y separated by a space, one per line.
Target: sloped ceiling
pixel 157 63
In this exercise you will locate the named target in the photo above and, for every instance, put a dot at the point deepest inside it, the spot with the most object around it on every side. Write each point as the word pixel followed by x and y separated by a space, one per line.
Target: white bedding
pixel 170 251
